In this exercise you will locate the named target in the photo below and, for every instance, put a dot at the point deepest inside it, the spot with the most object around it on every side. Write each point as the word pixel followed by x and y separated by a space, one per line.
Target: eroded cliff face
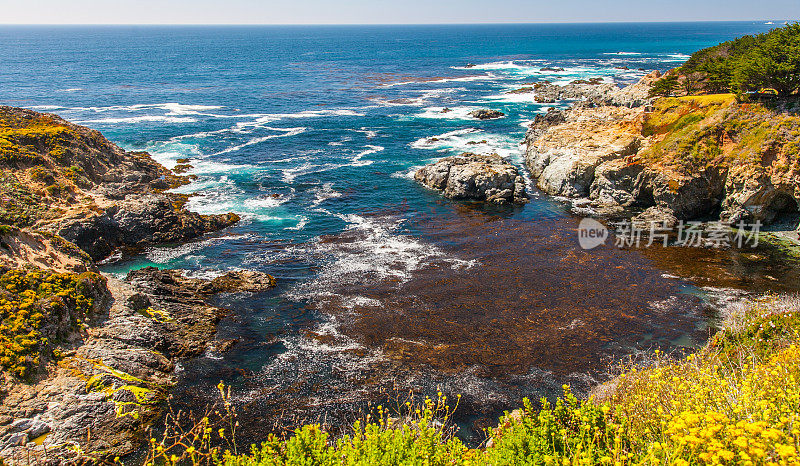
pixel 87 360
pixel 71 181
pixel 676 158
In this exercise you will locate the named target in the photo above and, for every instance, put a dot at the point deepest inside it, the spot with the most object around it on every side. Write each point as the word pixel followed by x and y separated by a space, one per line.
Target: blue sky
pixel 385 12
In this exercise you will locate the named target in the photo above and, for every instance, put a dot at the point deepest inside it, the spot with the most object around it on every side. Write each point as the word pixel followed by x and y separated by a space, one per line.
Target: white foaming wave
pixel 417 101
pixel 515 98
pixel 324 193
pixel 183 109
pixel 163 255
pixel 212 196
pixel 473 140
pixel 301 223
pixel 266 202
pixel 483 77
pixel 622 53
pixel 357 160
pixel 199 135
pixel 376 253
pixel 440 140
pixel 369 133
pixel 454 113
pixel 207 166
pixel 46 107
pixel 173 107
pixel 72 89
pixel 497 65
pixel 324 359
pixel 141 119
pixel 288 175
pixel 407 174
pixel 269 118
pixel 258 140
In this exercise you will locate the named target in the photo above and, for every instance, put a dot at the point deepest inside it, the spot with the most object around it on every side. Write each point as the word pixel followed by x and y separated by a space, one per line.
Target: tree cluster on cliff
pixel 768 62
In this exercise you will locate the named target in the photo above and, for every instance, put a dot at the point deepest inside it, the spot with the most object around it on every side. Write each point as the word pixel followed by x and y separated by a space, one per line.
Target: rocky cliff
pixel 71 181
pixel 87 360
pixel 692 157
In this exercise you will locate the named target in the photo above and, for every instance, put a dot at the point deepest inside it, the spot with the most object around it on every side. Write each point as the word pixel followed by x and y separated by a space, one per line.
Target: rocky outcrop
pixel 546 92
pixel 474 177
pixel 677 158
pixel 23 248
pixel 110 378
pixel 564 149
pixel 486 114
pixel 104 351
pixel 110 382
pixel 174 282
pixel 138 220
pixel 71 181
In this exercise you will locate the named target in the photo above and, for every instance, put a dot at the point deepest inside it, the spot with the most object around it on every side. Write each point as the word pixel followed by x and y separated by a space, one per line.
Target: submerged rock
pixel 475 177
pixel 486 114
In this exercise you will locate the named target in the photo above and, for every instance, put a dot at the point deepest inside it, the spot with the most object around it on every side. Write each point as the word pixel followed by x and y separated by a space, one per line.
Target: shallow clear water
pixel 311 135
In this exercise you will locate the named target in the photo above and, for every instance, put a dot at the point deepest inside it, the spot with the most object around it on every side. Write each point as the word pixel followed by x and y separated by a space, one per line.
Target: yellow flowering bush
pixel 735 402
pixel 34 306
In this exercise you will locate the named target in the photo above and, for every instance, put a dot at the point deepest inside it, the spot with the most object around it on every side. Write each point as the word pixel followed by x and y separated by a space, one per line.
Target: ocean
pixel 312 134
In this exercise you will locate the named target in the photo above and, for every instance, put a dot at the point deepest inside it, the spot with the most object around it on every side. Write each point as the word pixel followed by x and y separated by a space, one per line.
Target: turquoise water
pixel 311 134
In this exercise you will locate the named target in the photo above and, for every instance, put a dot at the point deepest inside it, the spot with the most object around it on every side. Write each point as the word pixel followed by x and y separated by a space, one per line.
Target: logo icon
pixel 591 233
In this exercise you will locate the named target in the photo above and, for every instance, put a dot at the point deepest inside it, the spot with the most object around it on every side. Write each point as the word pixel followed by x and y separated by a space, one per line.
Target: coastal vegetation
pixel 768 62
pixel 37 309
pixel 736 401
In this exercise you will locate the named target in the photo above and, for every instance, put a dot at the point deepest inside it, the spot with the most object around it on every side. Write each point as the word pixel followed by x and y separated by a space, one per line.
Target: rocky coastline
pixel 91 359
pixel 620 153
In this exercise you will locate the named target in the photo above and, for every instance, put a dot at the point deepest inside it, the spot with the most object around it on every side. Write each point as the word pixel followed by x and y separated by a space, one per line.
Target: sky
pixel 387 12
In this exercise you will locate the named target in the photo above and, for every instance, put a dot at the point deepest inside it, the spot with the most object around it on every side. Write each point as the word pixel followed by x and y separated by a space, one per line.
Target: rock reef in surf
pixel 475 177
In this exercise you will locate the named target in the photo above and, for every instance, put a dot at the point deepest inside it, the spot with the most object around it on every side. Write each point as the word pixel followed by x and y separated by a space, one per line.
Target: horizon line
pixel 488 23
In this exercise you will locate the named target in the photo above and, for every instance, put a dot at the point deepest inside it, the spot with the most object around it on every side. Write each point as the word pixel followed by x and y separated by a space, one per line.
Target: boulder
pixel 139 220
pixel 475 177
pixel 243 280
pixel 486 114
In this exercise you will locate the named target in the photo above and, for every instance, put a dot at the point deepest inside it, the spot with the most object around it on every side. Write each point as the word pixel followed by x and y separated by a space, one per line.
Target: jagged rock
pixel 96 195
pixel 140 220
pixel 474 177
pixel 635 95
pixel 617 149
pixel 565 148
pixel 244 280
pixel 37 429
pixel 486 114
pixel 574 91
pixel 617 182
pixel 658 217
pixel 16 440
pixel 689 196
pixel 117 366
